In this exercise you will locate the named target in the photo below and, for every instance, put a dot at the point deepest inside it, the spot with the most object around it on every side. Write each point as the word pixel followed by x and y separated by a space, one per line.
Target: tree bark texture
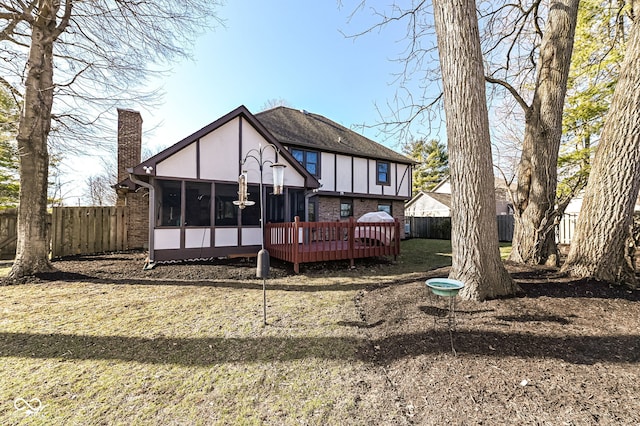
pixel 535 200
pixel 32 254
pixel 474 235
pixel 601 246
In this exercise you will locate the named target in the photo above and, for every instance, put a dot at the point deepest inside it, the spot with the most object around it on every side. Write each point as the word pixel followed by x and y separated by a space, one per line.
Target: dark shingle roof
pixel 304 129
pixel 441 198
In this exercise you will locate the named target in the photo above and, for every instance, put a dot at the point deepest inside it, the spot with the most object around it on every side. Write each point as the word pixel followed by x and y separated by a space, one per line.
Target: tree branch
pixel 511 90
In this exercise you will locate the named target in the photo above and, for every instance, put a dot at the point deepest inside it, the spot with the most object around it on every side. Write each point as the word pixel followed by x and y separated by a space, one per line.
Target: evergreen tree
pixel 601 35
pixel 433 163
pixel 9 182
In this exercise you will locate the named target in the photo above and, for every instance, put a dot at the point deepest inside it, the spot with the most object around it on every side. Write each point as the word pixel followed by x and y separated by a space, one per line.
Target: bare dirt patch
pixel 563 352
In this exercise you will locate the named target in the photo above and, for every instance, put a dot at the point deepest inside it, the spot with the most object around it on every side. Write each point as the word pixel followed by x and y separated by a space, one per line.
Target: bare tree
pixel 474 235
pixel 517 29
pixel 85 55
pixel 100 190
pixel 273 103
pixel 603 232
pixel 527 48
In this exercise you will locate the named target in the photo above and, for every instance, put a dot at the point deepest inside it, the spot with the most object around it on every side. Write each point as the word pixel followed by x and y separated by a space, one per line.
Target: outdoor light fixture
pixel 278 178
pixel 277 170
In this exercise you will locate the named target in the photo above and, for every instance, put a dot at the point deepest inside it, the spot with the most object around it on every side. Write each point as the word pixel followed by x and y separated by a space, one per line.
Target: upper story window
pixel 309 159
pixel 383 169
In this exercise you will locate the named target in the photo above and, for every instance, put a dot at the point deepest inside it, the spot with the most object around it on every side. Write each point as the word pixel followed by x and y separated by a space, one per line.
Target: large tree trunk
pixel 474 235
pixel 534 232
pixel 603 232
pixel 32 254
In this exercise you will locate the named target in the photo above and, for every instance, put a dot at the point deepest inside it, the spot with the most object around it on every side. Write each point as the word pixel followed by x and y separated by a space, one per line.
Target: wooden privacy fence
pixel 8 233
pixel 88 230
pixel 440 227
pixel 304 242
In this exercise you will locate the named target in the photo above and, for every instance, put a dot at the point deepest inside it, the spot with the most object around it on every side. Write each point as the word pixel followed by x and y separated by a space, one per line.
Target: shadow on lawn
pixel 536 283
pixel 211 351
pixel 238 285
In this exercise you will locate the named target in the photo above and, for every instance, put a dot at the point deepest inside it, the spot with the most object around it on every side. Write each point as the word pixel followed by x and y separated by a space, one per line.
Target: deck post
pixel 396 241
pixel 295 249
pixel 351 233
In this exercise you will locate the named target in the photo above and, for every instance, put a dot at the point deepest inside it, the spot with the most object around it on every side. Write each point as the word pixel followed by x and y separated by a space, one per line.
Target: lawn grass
pixel 108 353
pixel 118 354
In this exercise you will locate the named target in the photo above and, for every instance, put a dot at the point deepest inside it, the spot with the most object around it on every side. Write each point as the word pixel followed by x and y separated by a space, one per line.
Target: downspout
pixel 151 261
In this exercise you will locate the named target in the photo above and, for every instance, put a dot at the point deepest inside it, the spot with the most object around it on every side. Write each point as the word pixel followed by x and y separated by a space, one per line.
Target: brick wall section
pixel 138 227
pixel 329 208
pixel 129 155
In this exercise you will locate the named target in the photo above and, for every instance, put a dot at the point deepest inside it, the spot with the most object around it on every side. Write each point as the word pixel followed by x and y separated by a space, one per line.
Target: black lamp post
pixel 263 262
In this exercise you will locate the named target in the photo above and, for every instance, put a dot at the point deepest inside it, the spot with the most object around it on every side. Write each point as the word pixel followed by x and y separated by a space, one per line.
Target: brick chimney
pixel 129 141
pixel 129 155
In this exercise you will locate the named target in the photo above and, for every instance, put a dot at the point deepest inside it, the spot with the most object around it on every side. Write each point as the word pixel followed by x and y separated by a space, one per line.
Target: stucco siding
pixel 166 239
pixel 198 237
pixel 327 174
pixel 252 140
pixel 226 237
pixel 374 188
pixel 360 175
pixel 404 180
pixel 219 153
pixel 182 164
pixel 344 173
pixel 251 236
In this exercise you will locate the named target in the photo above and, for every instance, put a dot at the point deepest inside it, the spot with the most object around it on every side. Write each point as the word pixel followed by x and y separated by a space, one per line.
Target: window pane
pixel 198 204
pixel 296 202
pixel 298 155
pixel 312 211
pixel 170 202
pixel 383 173
pixel 226 211
pixel 251 214
pixel 311 163
pixel 309 159
pixel 311 168
pixel 346 208
pixel 384 208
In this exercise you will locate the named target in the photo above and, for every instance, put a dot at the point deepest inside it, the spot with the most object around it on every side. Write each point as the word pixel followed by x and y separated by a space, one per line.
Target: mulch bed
pixel 564 352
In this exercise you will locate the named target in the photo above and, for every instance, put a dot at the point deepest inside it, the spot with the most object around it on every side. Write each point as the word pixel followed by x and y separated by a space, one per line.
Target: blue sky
pixel 280 49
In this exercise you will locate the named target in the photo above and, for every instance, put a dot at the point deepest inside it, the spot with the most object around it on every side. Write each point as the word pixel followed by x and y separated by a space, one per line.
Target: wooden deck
pixel 305 242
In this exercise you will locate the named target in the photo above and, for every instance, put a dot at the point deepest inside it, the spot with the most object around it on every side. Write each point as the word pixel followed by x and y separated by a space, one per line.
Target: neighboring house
pixel 575 205
pixel 567 225
pixel 437 202
pixel 425 204
pixel 332 174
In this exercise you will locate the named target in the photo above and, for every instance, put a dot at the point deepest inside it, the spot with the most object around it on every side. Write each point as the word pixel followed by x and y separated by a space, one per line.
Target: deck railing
pixel 304 242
